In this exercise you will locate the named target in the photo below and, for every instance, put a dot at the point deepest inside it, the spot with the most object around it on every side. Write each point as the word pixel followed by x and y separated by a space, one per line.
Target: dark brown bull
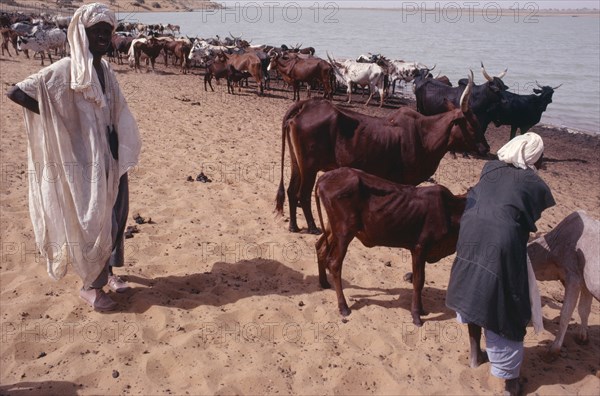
pixel 152 48
pixel 309 70
pixel 405 148
pixel 424 220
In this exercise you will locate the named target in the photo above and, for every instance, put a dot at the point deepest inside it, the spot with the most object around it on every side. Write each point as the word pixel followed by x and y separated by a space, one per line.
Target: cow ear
pixel 537 91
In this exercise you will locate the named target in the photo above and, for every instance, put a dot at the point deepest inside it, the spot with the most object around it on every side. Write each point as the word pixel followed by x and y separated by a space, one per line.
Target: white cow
pixel 43 41
pixel 404 72
pixel 570 253
pixel 351 71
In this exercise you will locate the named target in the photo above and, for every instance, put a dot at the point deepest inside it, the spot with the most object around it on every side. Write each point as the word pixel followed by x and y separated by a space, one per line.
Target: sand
pixel 224 299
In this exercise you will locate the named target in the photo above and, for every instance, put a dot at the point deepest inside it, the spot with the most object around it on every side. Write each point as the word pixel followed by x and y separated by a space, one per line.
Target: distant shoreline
pixel 145 6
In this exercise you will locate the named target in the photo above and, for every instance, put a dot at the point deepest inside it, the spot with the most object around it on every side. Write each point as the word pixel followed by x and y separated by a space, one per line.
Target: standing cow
pixel 570 253
pixel 43 41
pixel 405 148
pixel 425 220
pixel 523 111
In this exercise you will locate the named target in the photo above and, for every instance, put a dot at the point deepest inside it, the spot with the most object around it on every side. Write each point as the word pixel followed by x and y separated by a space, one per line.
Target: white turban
pixel 522 151
pixel 81 58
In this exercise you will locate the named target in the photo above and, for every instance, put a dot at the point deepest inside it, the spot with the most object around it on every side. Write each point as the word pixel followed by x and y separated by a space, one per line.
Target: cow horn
pixel 464 98
pixel 485 74
pixel 434 65
pixel 538 84
pixel 439 72
pixel 558 86
pixel 503 73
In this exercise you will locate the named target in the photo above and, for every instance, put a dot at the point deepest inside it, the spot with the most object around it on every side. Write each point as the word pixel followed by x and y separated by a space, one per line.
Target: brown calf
pixel 424 220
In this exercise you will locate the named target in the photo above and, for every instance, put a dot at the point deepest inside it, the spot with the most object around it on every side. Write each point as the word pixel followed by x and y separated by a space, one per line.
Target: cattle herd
pixel 372 164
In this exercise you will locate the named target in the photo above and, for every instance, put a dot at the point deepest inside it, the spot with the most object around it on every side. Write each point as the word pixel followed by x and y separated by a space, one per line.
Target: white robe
pixel 73 178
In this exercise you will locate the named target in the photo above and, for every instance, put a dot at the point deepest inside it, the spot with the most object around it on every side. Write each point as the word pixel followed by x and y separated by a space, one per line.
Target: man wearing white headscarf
pixel 82 141
pixel 492 285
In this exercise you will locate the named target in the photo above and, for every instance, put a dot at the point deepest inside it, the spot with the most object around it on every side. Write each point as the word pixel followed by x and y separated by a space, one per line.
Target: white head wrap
pixel 81 58
pixel 522 151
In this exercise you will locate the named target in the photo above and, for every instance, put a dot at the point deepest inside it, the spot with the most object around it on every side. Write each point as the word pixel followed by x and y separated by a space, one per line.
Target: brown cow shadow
pixel 224 284
pixel 433 300
pixel 41 388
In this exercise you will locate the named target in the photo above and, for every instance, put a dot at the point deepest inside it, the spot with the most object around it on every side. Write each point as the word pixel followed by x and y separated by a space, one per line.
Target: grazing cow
pixel 523 111
pixel 43 41
pixel 431 95
pixel 424 220
pixel 297 70
pixel 405 148
pixel 369 74
pixel 570 253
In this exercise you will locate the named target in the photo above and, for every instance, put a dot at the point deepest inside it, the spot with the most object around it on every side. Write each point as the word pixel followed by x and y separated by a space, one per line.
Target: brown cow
pixel 307 70
pixel 121 45
pixel 424 220
pixel 249 62
pixel 150 46
pixel 405 148
pixel 219 68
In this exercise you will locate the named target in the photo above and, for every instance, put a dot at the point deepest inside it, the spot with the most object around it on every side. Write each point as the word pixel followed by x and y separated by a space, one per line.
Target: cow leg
pixel 370 96
pixel 322 252
pixel 418 281
pixel 584 309
pixel 50 57
pixel 42 57
pixel 308 181
pixel 292 192
pixel 477 356
pixel 335 259
pixel 572 289
pixel 296 90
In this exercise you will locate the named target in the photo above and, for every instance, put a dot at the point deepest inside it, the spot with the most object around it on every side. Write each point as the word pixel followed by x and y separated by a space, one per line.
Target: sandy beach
pixel 224 299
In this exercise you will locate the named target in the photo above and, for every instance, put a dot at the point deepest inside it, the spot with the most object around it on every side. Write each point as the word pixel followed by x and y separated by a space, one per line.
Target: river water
pixel 551 50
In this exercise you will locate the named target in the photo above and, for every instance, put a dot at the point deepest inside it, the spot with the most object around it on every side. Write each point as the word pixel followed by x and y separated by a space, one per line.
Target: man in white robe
pixel 82 141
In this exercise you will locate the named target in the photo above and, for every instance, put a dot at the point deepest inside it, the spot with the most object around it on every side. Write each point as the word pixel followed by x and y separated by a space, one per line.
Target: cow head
pixel 274 56
pixel 494 83
pixel 545 93
pixel 21 40
pixel 465 134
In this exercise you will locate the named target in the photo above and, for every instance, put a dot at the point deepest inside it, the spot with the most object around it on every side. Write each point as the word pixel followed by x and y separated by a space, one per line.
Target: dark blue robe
pixel 488 282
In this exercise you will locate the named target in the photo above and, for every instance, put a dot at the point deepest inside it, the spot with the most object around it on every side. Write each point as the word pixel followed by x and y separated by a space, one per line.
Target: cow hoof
pixel 345 311
pixel 294 228
pixel 417 321
pixel 314 231
pixel 408 277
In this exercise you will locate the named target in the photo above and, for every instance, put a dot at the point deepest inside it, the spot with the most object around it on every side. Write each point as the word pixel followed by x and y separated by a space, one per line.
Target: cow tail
pixel 320 214
pixel 280 198
pixel 285 129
